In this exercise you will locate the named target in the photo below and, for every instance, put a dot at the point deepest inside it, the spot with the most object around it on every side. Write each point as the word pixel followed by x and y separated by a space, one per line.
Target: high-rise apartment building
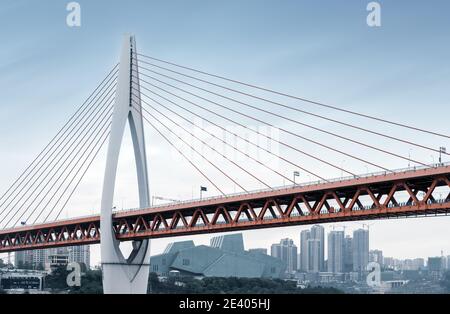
pixel 335 263
pixel 360 250
pixel 286 250
pixel 304 237
pixel 318 233
pixel 312 248
pixel 348 254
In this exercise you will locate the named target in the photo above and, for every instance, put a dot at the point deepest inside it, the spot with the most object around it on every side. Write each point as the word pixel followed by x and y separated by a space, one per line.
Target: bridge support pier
pixel 120 274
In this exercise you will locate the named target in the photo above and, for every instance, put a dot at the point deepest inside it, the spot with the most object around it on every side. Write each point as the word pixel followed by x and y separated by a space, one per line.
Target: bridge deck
pixel 374 196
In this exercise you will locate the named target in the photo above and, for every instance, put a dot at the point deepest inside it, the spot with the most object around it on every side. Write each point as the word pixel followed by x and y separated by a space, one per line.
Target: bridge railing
pixel 288 187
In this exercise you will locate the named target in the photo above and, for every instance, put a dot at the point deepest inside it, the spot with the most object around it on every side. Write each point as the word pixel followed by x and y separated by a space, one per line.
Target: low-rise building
pixel 22 279
pixel 225 257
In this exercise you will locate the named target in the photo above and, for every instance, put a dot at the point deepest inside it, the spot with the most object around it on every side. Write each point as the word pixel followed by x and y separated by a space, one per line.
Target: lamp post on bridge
pixel 442 150
pixel 409 158
pixel 296 174
pixel 202 189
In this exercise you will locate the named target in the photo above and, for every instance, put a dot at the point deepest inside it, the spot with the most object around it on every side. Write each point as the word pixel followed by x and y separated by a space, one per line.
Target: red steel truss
pixel 400 194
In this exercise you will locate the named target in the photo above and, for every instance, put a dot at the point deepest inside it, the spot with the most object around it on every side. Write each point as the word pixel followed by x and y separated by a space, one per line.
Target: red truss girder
pixel 52 236
pixel 357 199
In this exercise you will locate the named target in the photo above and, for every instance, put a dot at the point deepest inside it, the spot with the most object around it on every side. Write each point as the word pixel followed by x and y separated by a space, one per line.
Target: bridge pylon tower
pixel 120 274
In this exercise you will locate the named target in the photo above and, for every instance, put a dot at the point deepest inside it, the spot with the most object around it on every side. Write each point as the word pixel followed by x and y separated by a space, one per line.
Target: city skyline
pixel 253 240
pixel 37 258
pixel 227 257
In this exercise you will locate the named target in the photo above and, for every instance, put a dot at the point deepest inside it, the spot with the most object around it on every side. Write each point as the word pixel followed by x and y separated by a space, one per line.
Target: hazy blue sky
pixel 321 50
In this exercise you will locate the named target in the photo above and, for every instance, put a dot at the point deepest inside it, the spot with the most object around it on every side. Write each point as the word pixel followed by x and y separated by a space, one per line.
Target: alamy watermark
pixel 373 279
pixel 73 279
pixel 73 18
pixel 199 141
pixel 374 16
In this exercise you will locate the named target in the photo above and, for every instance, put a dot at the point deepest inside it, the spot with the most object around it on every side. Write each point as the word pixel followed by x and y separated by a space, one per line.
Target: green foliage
pixel 57 279
pixel 219 285
pixel 91 281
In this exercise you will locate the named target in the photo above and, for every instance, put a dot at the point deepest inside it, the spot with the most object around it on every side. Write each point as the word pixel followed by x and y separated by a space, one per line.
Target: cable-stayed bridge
pixel 142 90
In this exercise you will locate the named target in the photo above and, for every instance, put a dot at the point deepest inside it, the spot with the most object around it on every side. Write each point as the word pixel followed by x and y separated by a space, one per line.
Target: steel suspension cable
pixel 72 141
pixel 200 154
pixel 244 126
pixel 288 119
pixel 73 118
pixel 278 104
pixel 95 143
pixel 84 127
pixel 181 153
pixel 76 158
pixel 81 177
pixel 206 144
pixel 300 98
pixel 271 125
pixel 284 130
pixel 215 136
pixel 63 167
pixel 55 152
